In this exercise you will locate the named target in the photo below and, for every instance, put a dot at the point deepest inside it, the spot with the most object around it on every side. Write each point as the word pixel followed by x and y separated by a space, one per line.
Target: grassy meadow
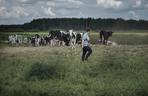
pixel 120 70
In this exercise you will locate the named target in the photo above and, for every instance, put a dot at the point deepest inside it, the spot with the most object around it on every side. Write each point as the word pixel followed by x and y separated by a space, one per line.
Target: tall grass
pixel 59 71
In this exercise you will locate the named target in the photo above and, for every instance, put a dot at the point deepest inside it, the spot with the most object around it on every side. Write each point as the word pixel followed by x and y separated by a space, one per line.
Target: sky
pixel 23 11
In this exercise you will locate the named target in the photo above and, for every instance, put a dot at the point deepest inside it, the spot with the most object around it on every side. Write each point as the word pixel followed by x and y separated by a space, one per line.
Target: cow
pixel 47 40
pixel 33 41
pixel 25 40
pixel 79 38
pixel 59 37
pixel 42 41
pixel 104 36
pixel 12 39
pixel 15 39
pixel 72 37
pixel 19 39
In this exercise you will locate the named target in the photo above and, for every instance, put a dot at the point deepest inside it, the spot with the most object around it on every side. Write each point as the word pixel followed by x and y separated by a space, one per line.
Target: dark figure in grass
pixel 104 35
pixel 86 46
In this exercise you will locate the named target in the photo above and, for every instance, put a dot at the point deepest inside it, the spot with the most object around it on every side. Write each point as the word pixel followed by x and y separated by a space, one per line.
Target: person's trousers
pixel 86 52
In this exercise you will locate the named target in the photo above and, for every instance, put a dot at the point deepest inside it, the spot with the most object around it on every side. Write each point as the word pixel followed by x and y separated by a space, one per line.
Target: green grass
pixel 58 71
pixel 45 71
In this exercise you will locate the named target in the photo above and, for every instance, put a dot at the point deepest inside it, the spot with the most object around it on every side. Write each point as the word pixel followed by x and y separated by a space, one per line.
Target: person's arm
pixel 87 37
pixel 83 38
pixel 82 42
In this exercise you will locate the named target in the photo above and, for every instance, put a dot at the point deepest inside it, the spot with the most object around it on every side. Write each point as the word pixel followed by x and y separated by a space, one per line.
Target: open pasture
pixel 120 70
pixel 134 37
pixel 43 71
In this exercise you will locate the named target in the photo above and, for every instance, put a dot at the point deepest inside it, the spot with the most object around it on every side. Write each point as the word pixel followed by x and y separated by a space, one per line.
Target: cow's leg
pixel 63 43
pixel 106 40
pixel 60 43
pixel 37 42
pixel 101 36
pixel 51 43
pixel 75 42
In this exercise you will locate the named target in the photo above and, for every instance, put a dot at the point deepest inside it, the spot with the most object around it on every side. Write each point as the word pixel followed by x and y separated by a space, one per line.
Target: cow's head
pixel 110 33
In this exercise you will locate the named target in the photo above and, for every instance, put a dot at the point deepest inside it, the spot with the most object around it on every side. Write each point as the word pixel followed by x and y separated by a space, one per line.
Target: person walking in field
pixel 87 51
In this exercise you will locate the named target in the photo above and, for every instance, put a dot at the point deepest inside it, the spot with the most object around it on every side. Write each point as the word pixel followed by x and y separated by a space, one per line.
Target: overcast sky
pixel 22 11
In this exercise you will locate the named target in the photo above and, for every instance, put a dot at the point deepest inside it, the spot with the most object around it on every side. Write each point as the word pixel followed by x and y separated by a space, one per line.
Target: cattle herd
pixel 55 38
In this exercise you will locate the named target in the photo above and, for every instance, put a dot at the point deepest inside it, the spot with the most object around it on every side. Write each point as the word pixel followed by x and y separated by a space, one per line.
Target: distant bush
pixel 44 71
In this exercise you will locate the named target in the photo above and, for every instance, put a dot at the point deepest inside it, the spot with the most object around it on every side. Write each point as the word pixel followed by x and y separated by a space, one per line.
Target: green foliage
pixel 43 24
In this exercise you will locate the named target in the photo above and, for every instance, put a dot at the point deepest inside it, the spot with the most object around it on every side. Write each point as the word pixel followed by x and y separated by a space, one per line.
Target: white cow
pixel 37 42
pixel 25 41
pixel 12 39
pixel 72 37
pixel 19 39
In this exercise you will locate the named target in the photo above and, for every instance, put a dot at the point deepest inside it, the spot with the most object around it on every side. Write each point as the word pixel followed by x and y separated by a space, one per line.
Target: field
pixel 58 71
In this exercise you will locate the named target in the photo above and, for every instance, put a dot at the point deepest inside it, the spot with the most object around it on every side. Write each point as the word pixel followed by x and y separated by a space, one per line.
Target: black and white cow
pixel 47 40
pixel 34 40
pixel 12 39
pixel 59 37
pixel 104 36
pixel 42 41
pixel 79 38
pixel 15 39
pixel 72 37
pixel 37 40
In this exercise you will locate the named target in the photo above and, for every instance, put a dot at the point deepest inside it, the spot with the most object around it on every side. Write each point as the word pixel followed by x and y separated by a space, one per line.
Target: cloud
pixel 48 11
pixel 137 3
pixel 21 11
pixel 51 3
pixel 2 11
pixel 32 1
pixel 109 3
pixel 133 13
pixel 146 6
pixel 77 2
pixel 16 12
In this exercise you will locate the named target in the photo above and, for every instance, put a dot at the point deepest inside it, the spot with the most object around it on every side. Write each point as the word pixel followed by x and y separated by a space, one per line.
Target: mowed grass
pixel 58 71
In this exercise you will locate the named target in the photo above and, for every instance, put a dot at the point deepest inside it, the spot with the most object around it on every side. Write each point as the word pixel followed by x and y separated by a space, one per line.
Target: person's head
pixel 88 30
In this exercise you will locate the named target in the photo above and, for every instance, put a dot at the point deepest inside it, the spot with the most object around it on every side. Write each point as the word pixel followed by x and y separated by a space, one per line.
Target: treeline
pixel 46 24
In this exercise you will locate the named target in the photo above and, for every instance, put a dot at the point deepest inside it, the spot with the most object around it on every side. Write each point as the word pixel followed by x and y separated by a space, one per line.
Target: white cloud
pixel 75 2
pixel 109 3
pixel 133 13
pixel 1 1
pixel 51 3
pixel 63 12
pixel 137 3
pixel 48 11
pixel 26 10
pixel 2 11
pixel 23 0
pixel 81 14
pixel 146 6
pixel 16 12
